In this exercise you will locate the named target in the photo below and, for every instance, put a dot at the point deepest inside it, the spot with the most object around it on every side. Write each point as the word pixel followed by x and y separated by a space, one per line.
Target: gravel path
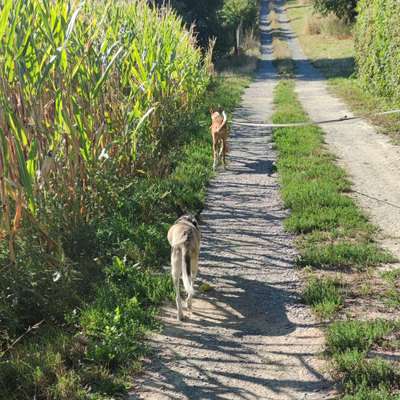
pixel 371 160
pixel 249 337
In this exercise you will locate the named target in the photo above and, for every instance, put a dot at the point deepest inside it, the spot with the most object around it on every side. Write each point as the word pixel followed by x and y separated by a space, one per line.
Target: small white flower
pixel 103 155
pixel 56 276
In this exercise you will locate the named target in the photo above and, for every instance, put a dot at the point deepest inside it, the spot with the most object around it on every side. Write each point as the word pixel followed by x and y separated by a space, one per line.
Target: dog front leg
pixel 215 151
pixel 224 151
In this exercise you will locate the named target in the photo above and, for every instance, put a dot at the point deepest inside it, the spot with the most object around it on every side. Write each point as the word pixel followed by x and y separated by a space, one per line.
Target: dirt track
pixel 249 337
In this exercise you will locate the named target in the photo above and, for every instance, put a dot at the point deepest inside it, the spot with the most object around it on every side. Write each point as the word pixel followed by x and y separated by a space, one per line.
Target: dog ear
pixel 179 210
pixel 211 110
pixel 198 216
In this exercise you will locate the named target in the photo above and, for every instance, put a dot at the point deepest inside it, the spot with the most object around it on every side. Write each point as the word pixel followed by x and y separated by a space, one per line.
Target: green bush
pixel 377 42
pixel 122 313
pixel 343 9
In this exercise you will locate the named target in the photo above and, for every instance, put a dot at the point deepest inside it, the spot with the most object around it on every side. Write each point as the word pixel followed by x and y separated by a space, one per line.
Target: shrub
pixel 343 9
pixel 377 42
pixel 122 313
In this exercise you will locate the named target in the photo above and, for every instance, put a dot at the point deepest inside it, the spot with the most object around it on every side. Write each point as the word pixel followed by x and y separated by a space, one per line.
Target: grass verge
pixel 333 237
pixel 363 376
pixel 89 347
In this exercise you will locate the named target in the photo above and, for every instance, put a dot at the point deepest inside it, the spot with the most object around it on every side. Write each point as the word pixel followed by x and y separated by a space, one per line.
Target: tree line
pixel 224 20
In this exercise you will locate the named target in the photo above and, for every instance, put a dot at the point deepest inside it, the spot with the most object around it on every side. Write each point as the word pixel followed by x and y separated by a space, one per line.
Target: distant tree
pixel 343 9
pixel 236 14
pixel 220 19
pixel 203 13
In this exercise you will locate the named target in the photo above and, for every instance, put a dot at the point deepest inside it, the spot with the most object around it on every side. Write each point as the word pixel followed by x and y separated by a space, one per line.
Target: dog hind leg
pixel 176 271
pixel 224 151
pixel 194 269
pixel 187 276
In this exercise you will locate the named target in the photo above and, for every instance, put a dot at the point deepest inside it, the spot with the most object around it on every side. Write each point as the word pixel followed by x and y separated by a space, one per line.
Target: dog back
pixel 184 233
pixel 217 120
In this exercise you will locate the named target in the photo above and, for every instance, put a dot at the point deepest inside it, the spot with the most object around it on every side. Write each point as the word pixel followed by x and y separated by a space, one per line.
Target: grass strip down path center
pixel 335 233
pixel 335 239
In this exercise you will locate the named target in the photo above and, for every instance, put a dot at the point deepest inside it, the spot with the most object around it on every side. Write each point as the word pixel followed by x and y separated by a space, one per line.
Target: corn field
pixel 86 88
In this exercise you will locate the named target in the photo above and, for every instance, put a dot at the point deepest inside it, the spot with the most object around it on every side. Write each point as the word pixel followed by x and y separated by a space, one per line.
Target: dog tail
pixel 224 121
pixel 187 272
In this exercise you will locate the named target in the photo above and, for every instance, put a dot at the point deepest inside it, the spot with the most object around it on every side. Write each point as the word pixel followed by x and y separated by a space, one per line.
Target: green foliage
pixel 216 19
pixel 102 307
pixel 366 393
pixel 356 335
pixel 391 296
pixel 237 15
pixel 377 40
pixel 34 290
pixel 123 311
pixel 349 343
pixel 343 9
pixel 88 90
pixel 323 295
pixel 359 374
pixel 202 13
pixel 235 11
pixel 40 367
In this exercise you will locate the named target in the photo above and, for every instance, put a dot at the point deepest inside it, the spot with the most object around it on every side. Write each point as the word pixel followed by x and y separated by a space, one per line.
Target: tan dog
pixel 219 133
pixel 184 237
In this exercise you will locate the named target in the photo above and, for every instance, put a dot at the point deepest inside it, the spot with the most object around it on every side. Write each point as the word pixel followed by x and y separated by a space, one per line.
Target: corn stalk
pixel 86 88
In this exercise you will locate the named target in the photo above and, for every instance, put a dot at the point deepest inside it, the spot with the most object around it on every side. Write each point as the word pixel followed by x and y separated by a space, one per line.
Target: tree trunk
pixel 238 37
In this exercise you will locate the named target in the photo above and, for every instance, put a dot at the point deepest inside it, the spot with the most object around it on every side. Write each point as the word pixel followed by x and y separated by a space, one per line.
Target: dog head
pixel 215 114
pixel 189 218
